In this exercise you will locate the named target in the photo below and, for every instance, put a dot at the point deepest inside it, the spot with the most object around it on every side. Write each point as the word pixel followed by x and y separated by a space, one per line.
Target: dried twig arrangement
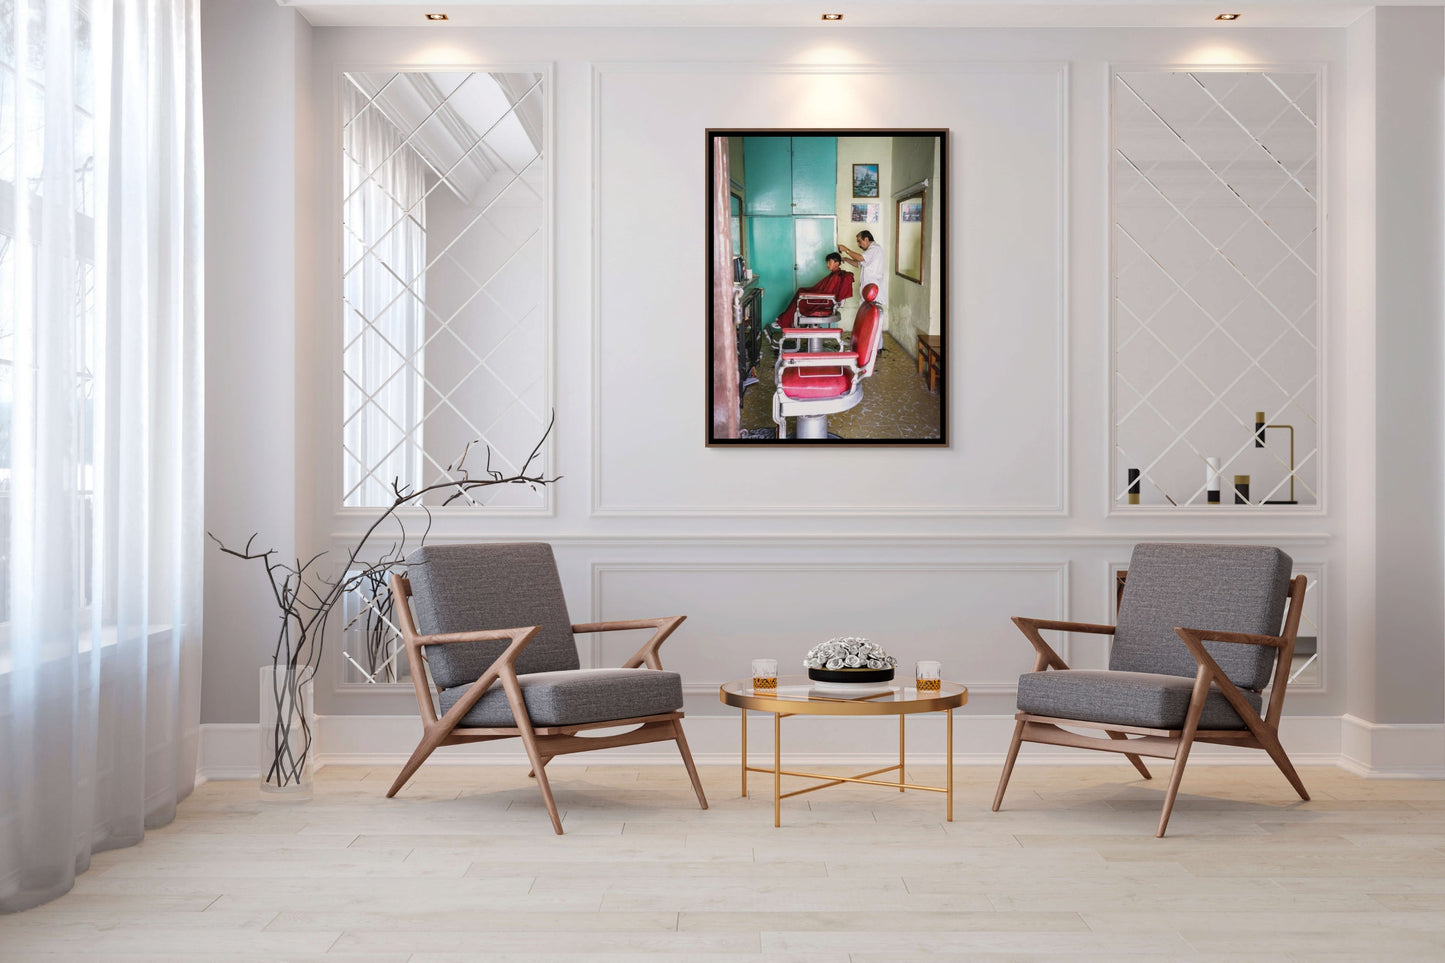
pixel 306 599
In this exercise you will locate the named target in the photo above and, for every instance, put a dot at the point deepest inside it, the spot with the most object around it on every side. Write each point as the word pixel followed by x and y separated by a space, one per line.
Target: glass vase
pixel 288 716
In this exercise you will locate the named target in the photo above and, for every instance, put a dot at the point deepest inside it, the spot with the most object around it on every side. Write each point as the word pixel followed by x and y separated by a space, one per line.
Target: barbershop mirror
pixel 446 314
pixel 909 231
pixel 1217 290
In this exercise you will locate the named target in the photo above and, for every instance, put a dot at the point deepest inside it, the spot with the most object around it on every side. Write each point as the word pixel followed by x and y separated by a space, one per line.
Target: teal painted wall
pixel 791 212
pixel 815 175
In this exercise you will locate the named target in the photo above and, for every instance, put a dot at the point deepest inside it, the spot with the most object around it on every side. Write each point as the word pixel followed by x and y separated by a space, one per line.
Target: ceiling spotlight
pixel 832 16
pixel 1227 16
pixel 437 16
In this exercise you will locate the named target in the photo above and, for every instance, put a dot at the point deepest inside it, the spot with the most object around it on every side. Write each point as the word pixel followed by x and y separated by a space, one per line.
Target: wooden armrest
pixel 647 655
pixel 504 665
pixel 1194 640
pixel 1052 624
pixel 1045 657
pixel 1238 638
pixel 481 635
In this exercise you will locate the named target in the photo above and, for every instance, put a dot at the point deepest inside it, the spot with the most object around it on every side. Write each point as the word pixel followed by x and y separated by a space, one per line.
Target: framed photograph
pixel 864 214
pixel 865 180
pixel 836 334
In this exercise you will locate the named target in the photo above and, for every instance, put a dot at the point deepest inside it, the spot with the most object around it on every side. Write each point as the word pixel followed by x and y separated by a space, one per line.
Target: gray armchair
pixel 1198 639
pixel 492 623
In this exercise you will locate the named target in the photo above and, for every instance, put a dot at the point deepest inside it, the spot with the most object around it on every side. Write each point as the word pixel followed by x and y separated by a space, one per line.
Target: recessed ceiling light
pixel 1227 16
pixel 437 16
pixel 832 16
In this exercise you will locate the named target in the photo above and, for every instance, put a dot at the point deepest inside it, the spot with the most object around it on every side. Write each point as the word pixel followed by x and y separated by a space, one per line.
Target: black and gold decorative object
pixel 1133 486
pixel 1259 442
pixel 1212 479
pixel 1241 489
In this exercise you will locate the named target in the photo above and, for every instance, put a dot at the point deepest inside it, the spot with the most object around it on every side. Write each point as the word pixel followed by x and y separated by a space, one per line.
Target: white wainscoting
pixel 956 612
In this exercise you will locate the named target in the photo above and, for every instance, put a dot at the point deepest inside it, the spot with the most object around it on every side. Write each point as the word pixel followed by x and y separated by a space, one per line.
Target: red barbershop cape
pixel 837 283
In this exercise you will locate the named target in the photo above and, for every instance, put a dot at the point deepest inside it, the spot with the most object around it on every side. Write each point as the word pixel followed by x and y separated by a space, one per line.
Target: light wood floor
pixel 463 866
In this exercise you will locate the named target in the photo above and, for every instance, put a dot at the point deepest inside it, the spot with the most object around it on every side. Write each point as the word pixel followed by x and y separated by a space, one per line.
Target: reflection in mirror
pixel 445 280
pixel 910 237
pixel 372 649
pixel 1306 670
pixel 1216 289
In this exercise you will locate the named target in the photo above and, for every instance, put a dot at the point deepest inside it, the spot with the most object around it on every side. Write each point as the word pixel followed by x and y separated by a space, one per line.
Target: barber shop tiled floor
pixel 896 401
pixel 463 866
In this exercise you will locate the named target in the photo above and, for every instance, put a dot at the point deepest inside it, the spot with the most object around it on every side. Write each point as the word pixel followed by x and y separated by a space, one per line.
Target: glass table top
pixel 798 693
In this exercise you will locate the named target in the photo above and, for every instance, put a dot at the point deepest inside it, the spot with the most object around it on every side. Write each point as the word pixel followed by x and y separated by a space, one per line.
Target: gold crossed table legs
pixel 778 772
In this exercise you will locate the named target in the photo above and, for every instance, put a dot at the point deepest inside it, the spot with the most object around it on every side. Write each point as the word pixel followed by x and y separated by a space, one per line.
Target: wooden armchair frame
pixel 1260 732
pixel 541 743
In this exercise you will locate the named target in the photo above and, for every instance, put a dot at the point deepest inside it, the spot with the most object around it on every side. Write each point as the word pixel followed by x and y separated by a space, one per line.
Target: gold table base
pixel 827 780
pixel 890 703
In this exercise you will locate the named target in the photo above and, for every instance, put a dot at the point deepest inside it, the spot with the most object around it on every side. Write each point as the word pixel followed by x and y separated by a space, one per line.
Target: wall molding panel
pixel 774 591
pixel 977 95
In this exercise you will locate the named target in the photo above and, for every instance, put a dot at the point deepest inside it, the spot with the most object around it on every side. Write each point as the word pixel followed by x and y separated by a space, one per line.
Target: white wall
pixel 769 551
pixel 1410 348
pixel 253 266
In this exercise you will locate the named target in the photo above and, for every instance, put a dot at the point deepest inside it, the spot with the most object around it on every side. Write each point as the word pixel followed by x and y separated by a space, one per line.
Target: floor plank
pixel 463 865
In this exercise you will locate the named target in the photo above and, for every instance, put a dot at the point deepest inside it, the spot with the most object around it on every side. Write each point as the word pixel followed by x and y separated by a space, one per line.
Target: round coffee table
pixel 797 695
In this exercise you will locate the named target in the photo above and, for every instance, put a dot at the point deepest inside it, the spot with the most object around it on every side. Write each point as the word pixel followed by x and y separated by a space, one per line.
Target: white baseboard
pixel 230 751
pixel 1394 751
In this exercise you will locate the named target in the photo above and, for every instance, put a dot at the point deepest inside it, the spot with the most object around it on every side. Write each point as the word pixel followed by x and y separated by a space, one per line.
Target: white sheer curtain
pixel 100 429
pixel 384 182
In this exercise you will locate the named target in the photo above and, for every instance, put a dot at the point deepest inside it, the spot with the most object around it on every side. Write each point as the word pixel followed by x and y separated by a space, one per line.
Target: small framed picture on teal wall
pixel 865 180
pixel 835 330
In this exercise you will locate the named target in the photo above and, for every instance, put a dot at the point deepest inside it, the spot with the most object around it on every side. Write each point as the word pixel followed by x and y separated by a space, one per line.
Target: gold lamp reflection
pixel 1259 442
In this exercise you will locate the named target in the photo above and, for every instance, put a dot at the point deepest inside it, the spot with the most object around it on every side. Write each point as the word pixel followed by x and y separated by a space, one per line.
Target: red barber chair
pixel 811 385
pixel 812 311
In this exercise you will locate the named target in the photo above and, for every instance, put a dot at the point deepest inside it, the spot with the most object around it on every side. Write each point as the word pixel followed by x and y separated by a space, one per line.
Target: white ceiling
pixel 873 13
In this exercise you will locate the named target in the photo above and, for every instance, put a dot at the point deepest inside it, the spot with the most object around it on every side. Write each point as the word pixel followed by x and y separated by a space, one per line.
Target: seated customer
pixel 837 282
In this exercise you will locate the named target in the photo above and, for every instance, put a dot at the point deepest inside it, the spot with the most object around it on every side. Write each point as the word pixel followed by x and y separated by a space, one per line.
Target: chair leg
pixel 1138 763
pixel 529 741
pixel 1008 765
pixel 1276 752
pixel 425 748
pixel 1186 741
pixel 532 774
pixel 686 753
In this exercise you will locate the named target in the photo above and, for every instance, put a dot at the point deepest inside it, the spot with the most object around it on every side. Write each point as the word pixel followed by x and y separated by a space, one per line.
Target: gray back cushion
pixel 466 588
pixel 1227 588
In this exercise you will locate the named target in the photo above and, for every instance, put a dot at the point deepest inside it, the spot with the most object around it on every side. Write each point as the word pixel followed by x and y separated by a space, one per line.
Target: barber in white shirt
pixel 871 260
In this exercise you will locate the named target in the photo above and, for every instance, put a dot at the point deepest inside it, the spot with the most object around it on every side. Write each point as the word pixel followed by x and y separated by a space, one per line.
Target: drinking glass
pixel 765 674
pixel 929 676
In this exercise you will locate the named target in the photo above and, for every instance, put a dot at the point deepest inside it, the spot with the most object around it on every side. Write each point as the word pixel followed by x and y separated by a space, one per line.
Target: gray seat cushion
pixel 466 588
pixel 1146 699
pixel 1227 588
pixel 576 697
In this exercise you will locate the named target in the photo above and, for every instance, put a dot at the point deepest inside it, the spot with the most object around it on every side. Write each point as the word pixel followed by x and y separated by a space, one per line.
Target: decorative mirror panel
pixel 1216 289
pixel 446 273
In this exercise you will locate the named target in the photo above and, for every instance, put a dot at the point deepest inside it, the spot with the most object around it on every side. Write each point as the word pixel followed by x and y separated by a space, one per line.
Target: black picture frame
pixel 752 344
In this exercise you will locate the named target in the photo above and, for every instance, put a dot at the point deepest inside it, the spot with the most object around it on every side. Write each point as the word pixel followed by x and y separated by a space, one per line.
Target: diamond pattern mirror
pixel 1216 289
pixel 445 280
